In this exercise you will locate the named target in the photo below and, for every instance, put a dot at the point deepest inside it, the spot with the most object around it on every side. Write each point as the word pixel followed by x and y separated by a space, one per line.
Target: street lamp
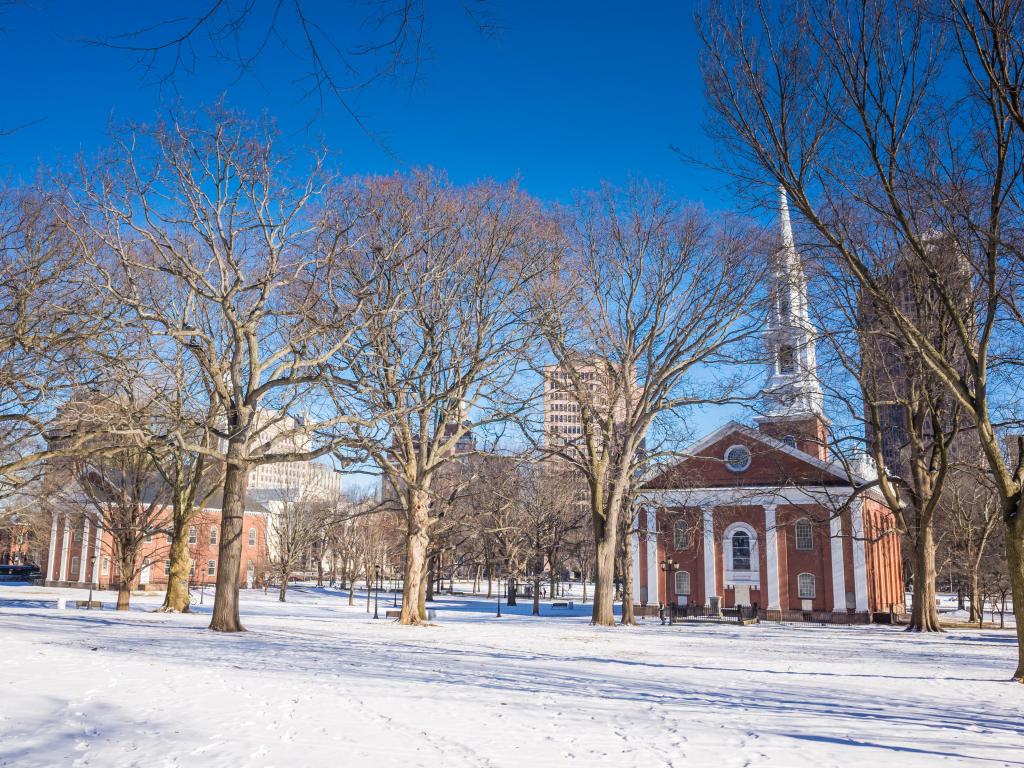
pixel 668 565
pixel 376 593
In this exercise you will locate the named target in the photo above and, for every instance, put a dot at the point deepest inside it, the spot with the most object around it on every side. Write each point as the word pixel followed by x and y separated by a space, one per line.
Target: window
pixel 737 458
pixel 192 569
pixel 784 305
pixel 193 534
pixel 789 440
pixel 213 534
pixel 740 551
pixel 167 566
pixel 682 583
pixel 805 586
pixel 149 536
pixel 211 567
pixel 787 359
pixel 76 536
pixel 105 567
pixel 804 537
pixel 252 537
pixel 681 535
pixel 74 565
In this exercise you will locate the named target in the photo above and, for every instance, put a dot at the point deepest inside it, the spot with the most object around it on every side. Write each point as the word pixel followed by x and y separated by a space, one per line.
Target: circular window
pixel 737 458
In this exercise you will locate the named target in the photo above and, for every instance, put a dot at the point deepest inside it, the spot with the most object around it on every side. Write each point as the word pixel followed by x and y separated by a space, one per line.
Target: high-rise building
pixel 563 404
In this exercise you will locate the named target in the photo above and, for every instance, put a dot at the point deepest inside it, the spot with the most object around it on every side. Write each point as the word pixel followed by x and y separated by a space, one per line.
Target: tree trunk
pixel 974 598
pixel 603 613
pixel 536 595
pixel 416 543
pixel 1015 565
pixel 176 597
pixel 924 617
pixel 628 617
pixel 225 601
pixel 490 586
pixel 283 589
pixel 124 595
pixel 431 566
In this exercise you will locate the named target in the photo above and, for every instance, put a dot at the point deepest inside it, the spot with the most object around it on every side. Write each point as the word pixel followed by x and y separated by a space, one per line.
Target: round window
pixel 737 458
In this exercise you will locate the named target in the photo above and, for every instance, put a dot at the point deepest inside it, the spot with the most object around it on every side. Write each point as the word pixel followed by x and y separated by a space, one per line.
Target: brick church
pixel 763 515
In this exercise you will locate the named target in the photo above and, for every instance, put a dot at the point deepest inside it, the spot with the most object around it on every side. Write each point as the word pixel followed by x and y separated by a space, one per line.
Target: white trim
pixel 65 539
pixel 653 585
pixel 634 543
pixel 83 560
pixel 834 468
pixel 97 555
pixel 771 549
pixel 835 526
pixel 831 497
pixel 710 580
pixel 51 559
pixel 733 577
pixel 860 570
pixel 814 585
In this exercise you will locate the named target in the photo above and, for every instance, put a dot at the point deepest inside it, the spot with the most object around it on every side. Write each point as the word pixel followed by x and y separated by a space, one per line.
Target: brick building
pixel 764 516
pixel 80 554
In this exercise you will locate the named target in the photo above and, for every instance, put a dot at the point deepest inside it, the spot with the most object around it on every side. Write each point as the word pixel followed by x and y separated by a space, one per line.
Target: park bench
pixel 90 604
pixel 564 604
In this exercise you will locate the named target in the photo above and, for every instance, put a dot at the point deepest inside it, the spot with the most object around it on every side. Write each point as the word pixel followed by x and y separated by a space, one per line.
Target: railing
pixel 744 614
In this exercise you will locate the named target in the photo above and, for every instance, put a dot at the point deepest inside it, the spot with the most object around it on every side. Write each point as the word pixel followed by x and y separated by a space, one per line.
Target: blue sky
pixel 563 95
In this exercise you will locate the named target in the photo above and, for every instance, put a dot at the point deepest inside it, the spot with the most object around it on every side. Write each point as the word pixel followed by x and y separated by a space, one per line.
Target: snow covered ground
pixel 315 682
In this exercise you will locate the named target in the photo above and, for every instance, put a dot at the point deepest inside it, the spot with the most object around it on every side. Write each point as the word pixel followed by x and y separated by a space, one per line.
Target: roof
pixel 828 472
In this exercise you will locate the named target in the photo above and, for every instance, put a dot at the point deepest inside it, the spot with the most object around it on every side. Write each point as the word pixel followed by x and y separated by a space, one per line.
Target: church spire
pixel 792 390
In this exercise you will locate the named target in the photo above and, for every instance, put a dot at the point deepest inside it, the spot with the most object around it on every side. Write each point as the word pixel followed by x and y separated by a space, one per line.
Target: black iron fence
pixel 748 614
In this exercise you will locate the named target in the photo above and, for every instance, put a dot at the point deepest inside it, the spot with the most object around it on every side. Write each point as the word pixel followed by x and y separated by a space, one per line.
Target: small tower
pixel 791 396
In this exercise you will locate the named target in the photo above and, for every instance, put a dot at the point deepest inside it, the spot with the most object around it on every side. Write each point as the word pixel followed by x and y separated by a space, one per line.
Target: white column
pixel 860 569
pixel 634 543
pixel 835 532
pixel 97 555
pixel 51 557
pixel 83 560
pixel 710 579
pixel 771 549
pixel 653 583
pixel 65 546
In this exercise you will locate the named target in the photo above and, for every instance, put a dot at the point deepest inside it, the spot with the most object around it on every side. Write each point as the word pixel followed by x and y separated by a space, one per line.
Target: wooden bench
pixel 88 604
pixel 564 604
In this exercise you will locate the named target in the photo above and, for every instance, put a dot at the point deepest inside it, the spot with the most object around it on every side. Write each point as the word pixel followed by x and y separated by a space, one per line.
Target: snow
pixel 315 682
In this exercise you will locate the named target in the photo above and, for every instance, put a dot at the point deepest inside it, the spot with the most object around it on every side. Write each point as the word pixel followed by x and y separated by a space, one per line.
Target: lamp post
pixel 499 596
pixel 394 593
pixel 376 593
pixel 668 565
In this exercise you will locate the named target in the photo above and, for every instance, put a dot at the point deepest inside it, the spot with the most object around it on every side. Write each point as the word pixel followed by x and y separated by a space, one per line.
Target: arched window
pixel 787 359
pixel 805 586
pixel 804 535
pixel 740 551
pixel 681 535
pixel 252 537
pixel 682 583
pixel 784 304
pixel 213 534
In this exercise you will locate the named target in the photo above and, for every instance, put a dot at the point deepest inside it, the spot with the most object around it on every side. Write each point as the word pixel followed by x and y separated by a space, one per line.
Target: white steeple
pixel 792 390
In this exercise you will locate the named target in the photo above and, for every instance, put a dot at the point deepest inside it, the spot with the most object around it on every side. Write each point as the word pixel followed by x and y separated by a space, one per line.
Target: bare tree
pixel 213 208
pixel 295 525
pixel 647 292
pixel 441 338
pixel 889 122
